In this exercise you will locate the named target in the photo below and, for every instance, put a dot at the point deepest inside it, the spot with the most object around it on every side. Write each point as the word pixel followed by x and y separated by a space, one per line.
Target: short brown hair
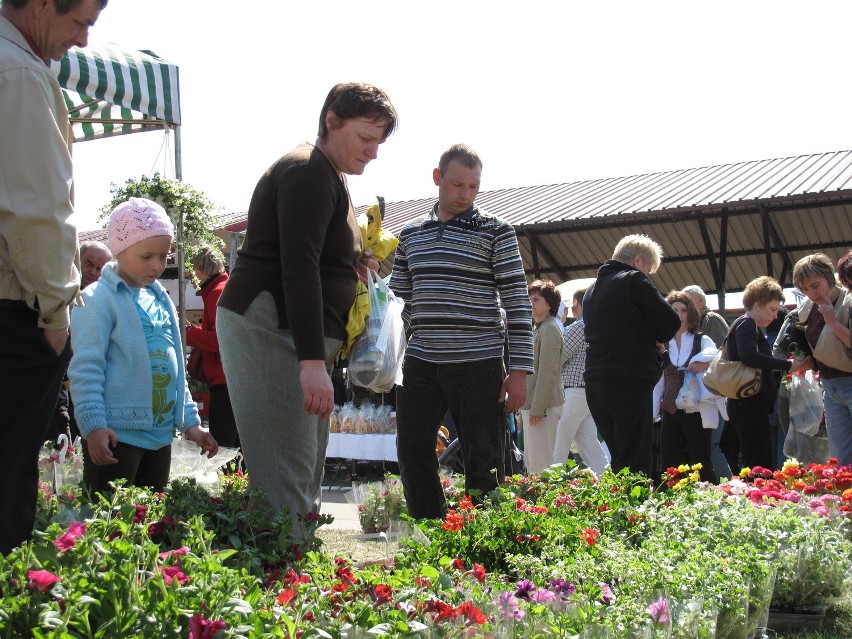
pixel 816 265
pixel 844 270
pixel 693 319
pixel 547 289
pixel 461 153
pixel 579 294
pixel 350 100
pixel 763 290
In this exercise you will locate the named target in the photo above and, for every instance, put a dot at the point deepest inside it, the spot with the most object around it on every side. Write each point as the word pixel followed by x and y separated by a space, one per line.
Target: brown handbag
pixel 732 379
pixel 195 366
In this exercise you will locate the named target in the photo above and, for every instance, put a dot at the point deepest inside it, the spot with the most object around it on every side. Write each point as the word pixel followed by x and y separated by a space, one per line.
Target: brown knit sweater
pixel 302 245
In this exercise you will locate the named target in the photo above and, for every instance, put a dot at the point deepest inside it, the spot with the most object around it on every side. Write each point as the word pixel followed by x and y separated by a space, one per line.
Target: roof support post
pixel 708 248
pixel 772 230
pixel 723 258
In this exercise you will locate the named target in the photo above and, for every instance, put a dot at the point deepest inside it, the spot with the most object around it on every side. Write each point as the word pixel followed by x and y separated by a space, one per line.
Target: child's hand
pixel 99 442
pixel 204 440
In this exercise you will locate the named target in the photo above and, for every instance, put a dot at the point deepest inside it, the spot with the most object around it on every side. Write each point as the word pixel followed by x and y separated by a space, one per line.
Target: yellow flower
pixel 697 466
pixel 791 463
pixel 683 468
pixel 745 472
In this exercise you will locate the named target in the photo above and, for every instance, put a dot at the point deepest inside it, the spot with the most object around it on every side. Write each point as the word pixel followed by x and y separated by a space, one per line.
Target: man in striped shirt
pixel 454 268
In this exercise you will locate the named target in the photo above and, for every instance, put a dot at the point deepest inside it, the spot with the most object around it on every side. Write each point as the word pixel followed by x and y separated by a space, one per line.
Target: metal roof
pixel 719 226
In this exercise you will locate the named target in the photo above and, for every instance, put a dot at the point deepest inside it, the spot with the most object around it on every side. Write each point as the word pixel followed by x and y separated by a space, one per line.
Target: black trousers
pixel 470 391
pixel 684 440
pixel 622 410
pixel 750 418
pixel 30 377
pixel 139 466
pixel 223 426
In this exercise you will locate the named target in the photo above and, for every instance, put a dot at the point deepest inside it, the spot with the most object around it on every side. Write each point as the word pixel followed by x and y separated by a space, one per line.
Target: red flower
pixel 173 573
pixel 286 596
pixel 201 628
pixel 421 581
pixel 68 539
pixel 453 521
pixel 590 535
pixel 141 511
pixel 176 552
pixel 458 564
pixel 381 593
pixel 478 572
pixel 470 612
pixel 41 580
pixel 466 503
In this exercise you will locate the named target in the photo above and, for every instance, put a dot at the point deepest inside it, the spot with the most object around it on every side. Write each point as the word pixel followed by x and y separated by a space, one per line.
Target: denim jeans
pixel 720 462
pixel 470 391
pixel 837 403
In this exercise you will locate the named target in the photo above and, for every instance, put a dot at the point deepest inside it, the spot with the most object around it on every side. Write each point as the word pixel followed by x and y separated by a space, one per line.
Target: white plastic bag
pixel 187 461
pixel 806 406
pixel 376 359
pixel 690 393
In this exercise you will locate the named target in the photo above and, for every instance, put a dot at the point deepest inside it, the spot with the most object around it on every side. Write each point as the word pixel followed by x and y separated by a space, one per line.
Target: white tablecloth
pixel 370 447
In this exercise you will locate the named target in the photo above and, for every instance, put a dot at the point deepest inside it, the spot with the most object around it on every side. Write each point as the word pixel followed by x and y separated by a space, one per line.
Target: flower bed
pixel 559 554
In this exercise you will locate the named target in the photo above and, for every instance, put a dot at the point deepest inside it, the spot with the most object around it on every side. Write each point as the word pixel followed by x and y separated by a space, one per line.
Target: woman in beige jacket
pixel 541 413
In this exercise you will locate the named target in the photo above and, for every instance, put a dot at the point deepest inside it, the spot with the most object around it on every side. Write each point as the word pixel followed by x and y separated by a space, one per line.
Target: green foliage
pixel 177 198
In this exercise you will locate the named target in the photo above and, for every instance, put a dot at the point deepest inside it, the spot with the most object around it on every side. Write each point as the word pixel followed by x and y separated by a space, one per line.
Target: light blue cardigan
pixel 110 370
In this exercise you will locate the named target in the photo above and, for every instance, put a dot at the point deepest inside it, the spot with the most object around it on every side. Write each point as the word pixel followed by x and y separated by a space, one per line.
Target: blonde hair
pixel 632 245
pixel 816 265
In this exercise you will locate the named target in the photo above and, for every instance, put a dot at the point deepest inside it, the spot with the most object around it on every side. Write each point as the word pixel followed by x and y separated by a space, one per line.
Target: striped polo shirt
pixel 453 277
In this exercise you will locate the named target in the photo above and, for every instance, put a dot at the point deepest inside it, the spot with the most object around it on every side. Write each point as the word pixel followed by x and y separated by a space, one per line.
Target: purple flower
pixel 543 596
pixel 523 589
pixel 659 610
pixel 563 587
pixel 510 608
pixel 606 594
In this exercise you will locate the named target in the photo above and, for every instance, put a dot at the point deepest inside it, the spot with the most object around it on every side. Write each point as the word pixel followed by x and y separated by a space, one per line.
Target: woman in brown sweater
pixel 282 316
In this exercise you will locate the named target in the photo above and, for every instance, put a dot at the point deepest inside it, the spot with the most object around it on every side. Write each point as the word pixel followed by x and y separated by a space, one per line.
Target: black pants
pixel 223 426
pixel 139 466
pixel 750 418
pixel 470 391
pixel 684 440
pixel 30 376
pixel 622 410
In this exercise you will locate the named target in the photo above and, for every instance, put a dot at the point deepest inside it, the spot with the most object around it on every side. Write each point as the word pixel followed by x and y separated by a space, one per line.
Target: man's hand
pixel 57 338
pixel 698 367
pixel 367 261
pixel 513 392
pixel 99 442
pixel 204 440
pixel 316 388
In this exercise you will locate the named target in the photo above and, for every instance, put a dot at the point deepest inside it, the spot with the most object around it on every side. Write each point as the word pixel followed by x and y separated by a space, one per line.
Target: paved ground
pixel 345 514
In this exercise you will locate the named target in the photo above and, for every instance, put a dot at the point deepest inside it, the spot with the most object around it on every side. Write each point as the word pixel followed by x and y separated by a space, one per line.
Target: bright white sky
pixel 546 92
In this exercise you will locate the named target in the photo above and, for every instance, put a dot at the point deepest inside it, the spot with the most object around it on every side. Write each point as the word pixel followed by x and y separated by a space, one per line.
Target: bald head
pixel 93 257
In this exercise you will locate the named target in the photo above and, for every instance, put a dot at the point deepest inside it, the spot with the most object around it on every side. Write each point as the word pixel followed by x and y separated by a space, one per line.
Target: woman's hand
pixel 804 364
pixel 535 420
pixel 367 261
pixel 98 443
pixel 317 389
pixel 204 440
pixel 698 367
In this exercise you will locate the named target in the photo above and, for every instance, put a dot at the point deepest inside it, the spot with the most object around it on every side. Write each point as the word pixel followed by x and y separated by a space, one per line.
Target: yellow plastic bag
pixel 374 237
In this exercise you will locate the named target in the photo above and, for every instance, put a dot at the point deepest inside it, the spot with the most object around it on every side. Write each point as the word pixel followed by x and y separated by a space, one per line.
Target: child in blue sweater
pixel 128 378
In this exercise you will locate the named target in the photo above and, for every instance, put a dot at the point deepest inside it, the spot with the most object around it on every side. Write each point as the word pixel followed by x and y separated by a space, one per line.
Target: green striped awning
pixel 112 91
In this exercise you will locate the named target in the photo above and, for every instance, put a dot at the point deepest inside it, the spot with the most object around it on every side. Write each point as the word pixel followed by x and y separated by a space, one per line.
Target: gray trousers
pixel 283 447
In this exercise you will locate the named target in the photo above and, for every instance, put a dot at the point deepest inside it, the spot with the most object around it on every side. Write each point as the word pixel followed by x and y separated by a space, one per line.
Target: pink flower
pixel 173 573
pixel 41 580
pixel 177 552
pixel 201 628
pixel 659 610
pixel 69 538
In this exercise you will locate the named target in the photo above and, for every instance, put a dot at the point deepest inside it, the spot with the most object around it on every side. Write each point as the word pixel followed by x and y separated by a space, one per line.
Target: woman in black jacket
pixel 747 343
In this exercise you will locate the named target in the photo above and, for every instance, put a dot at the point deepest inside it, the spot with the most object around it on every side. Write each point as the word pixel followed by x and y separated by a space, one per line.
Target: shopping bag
pixel 690 393
pixel 806 406
pixel 376 359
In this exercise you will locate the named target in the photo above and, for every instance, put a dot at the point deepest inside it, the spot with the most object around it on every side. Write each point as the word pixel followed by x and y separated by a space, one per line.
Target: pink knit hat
pixel 136 220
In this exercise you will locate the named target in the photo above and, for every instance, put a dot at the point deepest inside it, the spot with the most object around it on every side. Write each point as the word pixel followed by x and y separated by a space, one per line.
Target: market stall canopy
pixel 112 91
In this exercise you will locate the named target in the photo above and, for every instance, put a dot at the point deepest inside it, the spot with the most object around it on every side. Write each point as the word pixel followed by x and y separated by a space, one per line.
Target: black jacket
pixel 625 317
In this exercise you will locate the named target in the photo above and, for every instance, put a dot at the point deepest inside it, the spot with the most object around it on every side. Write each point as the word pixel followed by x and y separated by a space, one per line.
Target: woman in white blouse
pixel 685 436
